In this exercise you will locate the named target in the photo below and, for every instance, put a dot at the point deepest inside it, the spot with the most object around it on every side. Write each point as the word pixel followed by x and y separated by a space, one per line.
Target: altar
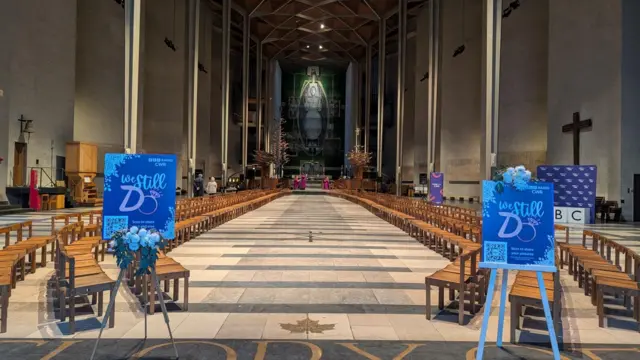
pixel 313 170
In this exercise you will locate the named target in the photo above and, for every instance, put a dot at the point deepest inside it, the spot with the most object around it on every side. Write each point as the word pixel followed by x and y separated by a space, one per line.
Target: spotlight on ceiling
pixel 321 26
pixel 459 50
pixel 320 46
pixel 307 46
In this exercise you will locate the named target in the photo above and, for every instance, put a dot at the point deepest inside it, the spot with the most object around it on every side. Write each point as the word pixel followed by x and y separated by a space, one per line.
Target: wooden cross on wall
pixel 575 127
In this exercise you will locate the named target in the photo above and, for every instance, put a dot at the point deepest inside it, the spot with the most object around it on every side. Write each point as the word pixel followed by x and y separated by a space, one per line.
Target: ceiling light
pixel 321 26
pixel 320 46
pixel 307 46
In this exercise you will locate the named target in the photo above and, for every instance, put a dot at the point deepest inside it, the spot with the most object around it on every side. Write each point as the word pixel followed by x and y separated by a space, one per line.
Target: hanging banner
pixel 139 190
pixel 517 226
pixel 436 188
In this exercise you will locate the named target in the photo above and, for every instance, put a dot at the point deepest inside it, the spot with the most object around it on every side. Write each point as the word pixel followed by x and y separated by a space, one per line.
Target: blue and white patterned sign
pixel 139 190
pixel 574 185
pixel 517 226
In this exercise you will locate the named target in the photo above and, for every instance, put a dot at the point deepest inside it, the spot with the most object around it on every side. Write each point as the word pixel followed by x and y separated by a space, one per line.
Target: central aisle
pixel 258 276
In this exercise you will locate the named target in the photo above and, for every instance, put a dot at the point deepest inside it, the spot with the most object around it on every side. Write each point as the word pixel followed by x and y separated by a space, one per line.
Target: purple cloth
pixel 303 183
pixel 325 184
pixel 296 183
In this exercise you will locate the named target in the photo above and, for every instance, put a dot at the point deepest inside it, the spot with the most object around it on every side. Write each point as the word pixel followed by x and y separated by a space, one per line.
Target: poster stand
pixel 518 234
pixel 503 303
pixel 112 304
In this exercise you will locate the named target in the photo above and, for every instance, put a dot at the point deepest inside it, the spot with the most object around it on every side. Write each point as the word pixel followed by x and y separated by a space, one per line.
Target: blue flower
pixel 507 177
pixel 135 239
pixel 527 175
pixel 154 239
pixel 142 232
pixel 520 168
pixel 134 229
pixel 520 184
pixel 134 246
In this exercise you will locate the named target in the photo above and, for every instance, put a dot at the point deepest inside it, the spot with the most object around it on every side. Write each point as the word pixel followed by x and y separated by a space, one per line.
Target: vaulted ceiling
pixel 320 30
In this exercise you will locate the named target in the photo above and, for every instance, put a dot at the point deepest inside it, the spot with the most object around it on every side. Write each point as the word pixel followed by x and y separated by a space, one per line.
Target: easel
pixel 112 303
pixel 503 302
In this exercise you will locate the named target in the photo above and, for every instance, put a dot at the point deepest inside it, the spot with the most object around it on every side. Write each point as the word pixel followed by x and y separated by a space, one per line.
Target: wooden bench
pixel 78 273
pixel 27 243
pixel 6 283
pixel 455 233
pixel 526 292
pixel 168 269
pixel 461 276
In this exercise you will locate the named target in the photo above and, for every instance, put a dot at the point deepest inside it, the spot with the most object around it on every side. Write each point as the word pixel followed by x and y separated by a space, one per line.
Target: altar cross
pixel 575 127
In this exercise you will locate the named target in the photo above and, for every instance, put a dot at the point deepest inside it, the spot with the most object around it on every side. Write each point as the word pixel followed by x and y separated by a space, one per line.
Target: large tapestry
pixel 313 109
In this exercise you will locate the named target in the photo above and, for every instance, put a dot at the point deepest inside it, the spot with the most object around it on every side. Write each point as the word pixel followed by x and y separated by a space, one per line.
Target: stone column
pixel 191 93
pixel 382 38
pixel 402 52
pixel 226 49
pixel 246 42
pixel 133 25
pixel 259 61
pixel 367 99
pixel 492 31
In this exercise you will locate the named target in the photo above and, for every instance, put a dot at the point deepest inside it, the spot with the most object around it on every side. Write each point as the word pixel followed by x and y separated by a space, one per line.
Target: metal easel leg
pixel 112 303
pixel 164 308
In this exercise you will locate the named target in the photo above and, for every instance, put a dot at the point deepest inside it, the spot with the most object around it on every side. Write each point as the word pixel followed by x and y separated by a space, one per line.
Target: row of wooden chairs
pixel 441 232
pixel 77 246
pixel 605 268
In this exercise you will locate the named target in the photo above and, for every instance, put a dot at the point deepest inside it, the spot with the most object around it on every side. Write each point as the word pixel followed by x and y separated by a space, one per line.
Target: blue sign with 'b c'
pixel 517 226
pixel 139 190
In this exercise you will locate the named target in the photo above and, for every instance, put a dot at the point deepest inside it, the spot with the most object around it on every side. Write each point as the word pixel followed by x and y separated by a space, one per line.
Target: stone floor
pixel 357 286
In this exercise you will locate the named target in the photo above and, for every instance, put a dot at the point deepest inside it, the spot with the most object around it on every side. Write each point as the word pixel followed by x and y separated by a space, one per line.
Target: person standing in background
pixel 212 186
pixel 198 186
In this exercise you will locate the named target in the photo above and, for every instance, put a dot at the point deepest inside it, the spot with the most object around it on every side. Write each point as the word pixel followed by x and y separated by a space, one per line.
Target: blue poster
pixel 517 226
pixel 573 185
pixel 139 190
pixel 436 188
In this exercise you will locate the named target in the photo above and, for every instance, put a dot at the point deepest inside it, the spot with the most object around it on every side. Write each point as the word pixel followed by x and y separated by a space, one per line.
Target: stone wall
pixel 585 39
pixel 460 130
pixel 37 79
pixel 522 129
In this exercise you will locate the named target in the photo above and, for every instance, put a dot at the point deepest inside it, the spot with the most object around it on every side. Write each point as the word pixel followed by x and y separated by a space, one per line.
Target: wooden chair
pixel 463 278
pixel 168 269
pixel 78 273
pixel 526 292
pixel 6 282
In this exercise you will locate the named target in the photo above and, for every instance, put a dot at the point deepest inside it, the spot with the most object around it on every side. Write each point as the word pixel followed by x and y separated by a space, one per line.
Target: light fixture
pixel 512 6
pixel 321 26
pixel 307 46
pixel 320 46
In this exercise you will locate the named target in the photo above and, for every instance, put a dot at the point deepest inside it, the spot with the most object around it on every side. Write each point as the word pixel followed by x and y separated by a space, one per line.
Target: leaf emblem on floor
pixel 307 326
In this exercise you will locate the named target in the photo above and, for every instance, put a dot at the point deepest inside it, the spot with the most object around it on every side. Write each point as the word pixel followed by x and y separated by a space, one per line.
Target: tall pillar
pixel 191 93
pixel 382 53
pixel 245 92
pixel 434 74
pixel 357 82
pixel 268 116
pixel 259 102
pixel 402 55
pixel 492 31
pixel 133 26
pixel 367 99
pixel 226 50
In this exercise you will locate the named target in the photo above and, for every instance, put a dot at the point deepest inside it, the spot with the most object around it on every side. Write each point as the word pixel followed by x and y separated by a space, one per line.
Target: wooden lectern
pixel 81 169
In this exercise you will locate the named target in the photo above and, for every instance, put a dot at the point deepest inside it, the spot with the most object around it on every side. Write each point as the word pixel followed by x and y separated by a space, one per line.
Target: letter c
pixel 573 215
